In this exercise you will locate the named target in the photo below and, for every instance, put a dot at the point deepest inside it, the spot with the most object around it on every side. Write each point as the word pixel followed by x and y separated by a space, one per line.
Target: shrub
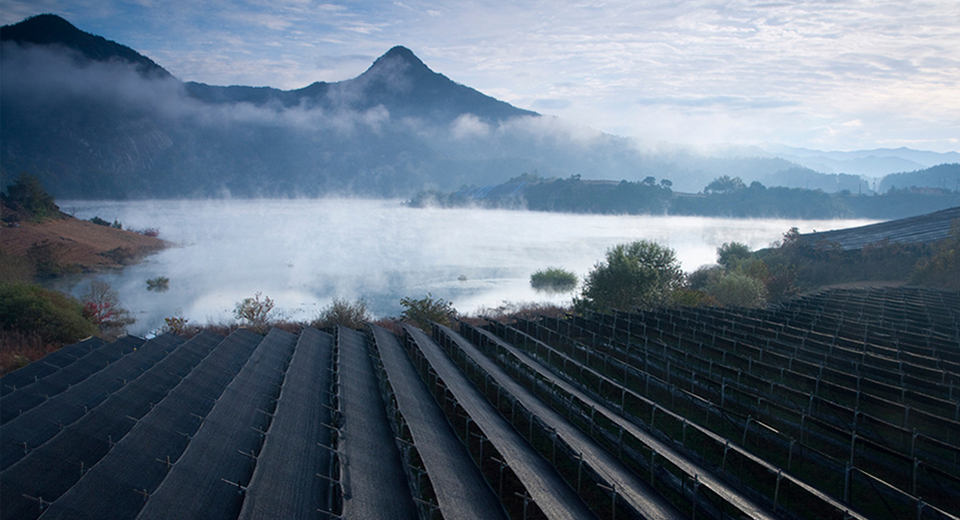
pixel 553 279
pixel 27 197
pixel 686 297
pixel 54 317
pixel 732 254
pixel 640 274
pixel 943 269
pixel 341 312
pixel 120 255
pixel 101 304
pixel 100 222
pixel 254 312
pixel 178 325
pixel 47 258
pixel 738 290
pixel 703 276
pixel 428 310
pixel 158 284
pixel 782 283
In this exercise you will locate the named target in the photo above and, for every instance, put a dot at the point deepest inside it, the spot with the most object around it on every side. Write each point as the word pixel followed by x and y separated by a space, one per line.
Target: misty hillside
pixel 48 29
pixel 867 163
pixel 944 176
pixel 398 81
pixel 93 118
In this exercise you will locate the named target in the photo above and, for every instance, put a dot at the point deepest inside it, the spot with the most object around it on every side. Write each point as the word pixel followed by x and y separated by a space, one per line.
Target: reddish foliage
pixel 99 313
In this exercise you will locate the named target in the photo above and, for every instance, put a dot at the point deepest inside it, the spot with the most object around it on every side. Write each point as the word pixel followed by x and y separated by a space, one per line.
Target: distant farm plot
pixel 842 404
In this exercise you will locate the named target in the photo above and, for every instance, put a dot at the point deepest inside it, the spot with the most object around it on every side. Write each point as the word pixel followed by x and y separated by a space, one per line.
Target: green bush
pixel 703 276
pixel 732 254
pixel 640 274
pixel 428 310
pixel 56 317
pixel 553 279
pixel 738 290
pixel 158 284
pixel 341 312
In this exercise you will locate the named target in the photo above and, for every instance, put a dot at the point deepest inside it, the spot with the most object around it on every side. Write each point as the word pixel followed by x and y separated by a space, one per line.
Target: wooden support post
pixel 502 465
pixel 846 483
pixel 526 501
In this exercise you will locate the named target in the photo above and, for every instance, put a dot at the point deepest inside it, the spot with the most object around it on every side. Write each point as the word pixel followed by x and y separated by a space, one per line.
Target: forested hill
pixel 944 177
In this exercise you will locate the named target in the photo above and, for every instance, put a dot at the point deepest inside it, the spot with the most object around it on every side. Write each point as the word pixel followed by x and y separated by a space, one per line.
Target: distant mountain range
pixel 868 163
pixel 95 119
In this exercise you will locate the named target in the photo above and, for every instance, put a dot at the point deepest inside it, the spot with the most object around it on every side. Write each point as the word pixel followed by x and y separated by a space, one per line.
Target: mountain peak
pixel 403 53
pixel 40 29
pixel 51 29
pixel 399 55
pixel 403 84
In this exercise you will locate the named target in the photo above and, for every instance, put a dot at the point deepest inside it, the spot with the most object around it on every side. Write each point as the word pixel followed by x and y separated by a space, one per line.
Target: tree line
pixel 724 197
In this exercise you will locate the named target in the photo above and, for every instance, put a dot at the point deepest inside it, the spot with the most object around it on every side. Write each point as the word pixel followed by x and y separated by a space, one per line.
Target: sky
pixel 827 74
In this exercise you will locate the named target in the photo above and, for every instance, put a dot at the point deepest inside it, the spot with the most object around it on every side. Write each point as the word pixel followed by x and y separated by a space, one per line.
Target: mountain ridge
pixel 76 117
pixel 51 29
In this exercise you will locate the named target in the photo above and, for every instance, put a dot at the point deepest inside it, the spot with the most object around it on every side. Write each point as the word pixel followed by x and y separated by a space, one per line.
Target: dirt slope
pixel 79 244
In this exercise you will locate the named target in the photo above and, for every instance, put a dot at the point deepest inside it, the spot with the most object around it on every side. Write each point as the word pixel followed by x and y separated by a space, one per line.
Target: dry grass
pixel 511 312
pixel 390 324
pixel 18 349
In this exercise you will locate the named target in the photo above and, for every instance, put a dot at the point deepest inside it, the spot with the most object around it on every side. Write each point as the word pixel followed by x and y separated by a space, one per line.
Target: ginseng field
pixel 841 404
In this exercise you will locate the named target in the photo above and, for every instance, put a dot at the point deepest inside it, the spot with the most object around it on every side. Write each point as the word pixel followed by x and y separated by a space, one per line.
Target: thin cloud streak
pixel 737 71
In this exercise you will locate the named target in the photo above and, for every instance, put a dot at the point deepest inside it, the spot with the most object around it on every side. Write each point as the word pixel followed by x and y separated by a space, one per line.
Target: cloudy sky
pixel 828 74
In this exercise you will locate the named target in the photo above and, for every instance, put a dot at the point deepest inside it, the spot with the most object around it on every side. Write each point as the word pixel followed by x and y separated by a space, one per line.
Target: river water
pixel 303 253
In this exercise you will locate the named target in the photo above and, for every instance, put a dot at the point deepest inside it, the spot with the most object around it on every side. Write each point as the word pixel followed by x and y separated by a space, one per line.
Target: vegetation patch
pixel 725 196
pixel 158 284
pixel 425 311
pixel 342 312
pixel 26 200
pixel 641 274
pixel 255 312
pixel 509 312
pixel 942 269
pixel 101 305
pixel 35 321
pixel 553 280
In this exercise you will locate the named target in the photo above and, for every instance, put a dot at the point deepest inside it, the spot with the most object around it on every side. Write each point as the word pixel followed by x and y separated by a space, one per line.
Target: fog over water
pixel 304 253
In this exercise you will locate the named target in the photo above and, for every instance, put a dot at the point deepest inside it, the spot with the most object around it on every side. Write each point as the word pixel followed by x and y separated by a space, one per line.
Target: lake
pixel 304 253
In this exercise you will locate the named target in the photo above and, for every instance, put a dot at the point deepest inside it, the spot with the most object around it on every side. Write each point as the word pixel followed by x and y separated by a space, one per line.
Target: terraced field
pixel 843 404
pixel 922 229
